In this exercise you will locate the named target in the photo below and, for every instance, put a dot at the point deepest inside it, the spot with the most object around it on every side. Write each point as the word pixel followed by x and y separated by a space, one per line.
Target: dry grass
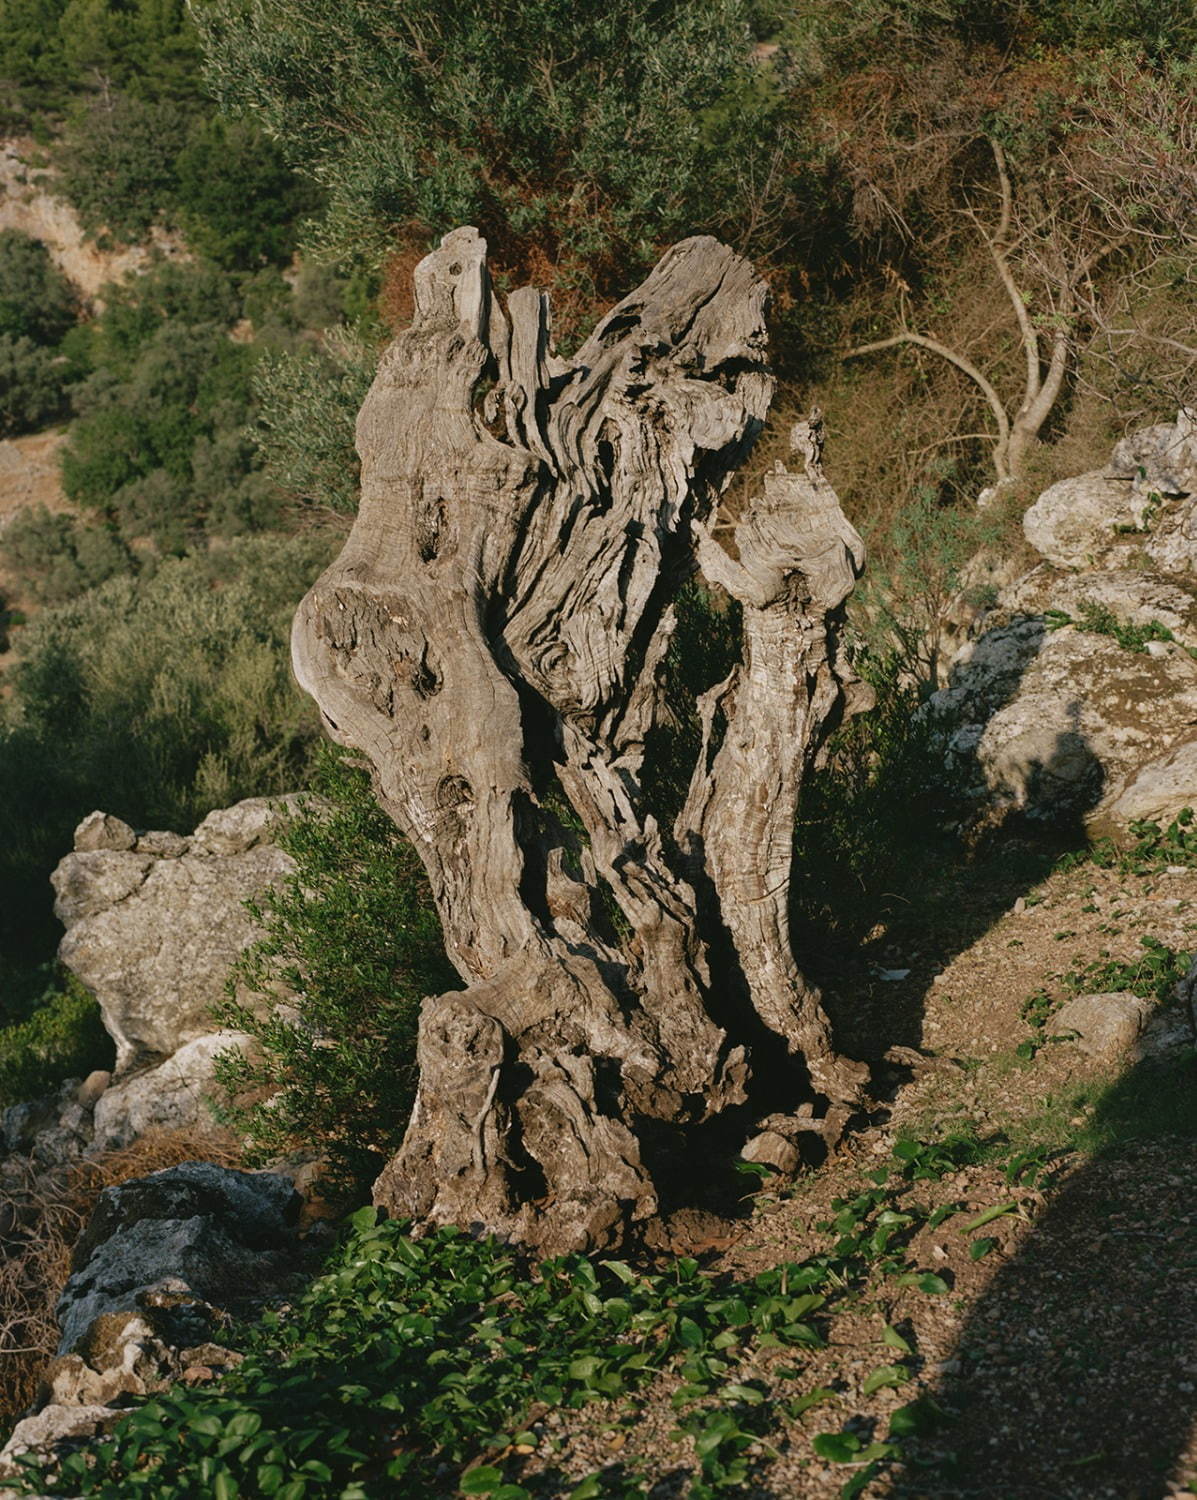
pixel 43 1214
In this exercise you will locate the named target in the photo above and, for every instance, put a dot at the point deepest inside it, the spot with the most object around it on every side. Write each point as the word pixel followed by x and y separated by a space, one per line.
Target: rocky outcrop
pixel 155 922
pixel 52 1433
pixel 170 1247
pixel 1078 696
pixel 172 1096
pixel 1143 500
pixel 1054 722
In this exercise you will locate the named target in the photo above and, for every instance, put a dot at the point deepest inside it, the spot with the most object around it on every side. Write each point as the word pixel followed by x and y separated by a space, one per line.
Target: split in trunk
pixel 491 640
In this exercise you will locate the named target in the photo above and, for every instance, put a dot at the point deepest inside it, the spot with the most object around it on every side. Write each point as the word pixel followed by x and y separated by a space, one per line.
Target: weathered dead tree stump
pixel 491 640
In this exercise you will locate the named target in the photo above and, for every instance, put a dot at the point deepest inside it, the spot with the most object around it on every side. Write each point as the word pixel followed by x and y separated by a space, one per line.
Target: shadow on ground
pixel 1075 1377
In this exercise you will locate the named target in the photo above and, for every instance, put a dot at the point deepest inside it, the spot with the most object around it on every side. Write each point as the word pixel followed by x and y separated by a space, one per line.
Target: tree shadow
pixel 897 874
pixel 1075 1374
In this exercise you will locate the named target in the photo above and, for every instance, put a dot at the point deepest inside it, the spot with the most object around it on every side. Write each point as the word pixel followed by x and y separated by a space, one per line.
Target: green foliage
pixel 1099 619
pixel 236 199
pixel 162 447
pixel 1153 974
pixel 117 163
pixel 157 698
pixel 414 1363
pixel 50 50
pixel 915 567
pixel 594 134
pixel 32 381
pixel 353 941
pixel 36 300
pixel 307 407
pixel 704 648
pixel 62 1038
pixel 1154 848
pixel 59 557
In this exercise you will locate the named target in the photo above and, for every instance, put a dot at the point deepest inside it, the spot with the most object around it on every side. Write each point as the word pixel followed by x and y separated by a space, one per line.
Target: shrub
pixel 117 163
pixel 589 133
pixel 36 300
pixel 58 557
pixel 163 448
pixel 63 1038
pixel 353 937
pixel 31 385
pixel 157 698
pixel 237 200
pixel 307 408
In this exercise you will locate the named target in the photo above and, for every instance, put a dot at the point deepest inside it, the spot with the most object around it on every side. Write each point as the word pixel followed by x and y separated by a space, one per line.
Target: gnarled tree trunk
pixel 491 639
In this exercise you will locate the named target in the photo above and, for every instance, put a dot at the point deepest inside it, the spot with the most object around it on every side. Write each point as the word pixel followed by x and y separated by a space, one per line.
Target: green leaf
pixel 225 1487
pixel 589 1489
pixel 859 1482
pixel 917 1416
pixel 894 1339
pixel 979 1249
pixel 926 1281
pixel 997 1211
pixel 735 1392
pixel 584 1369
pixel 883 1376
pixel 480 1481
pixel 837 1447
pixel 812 1398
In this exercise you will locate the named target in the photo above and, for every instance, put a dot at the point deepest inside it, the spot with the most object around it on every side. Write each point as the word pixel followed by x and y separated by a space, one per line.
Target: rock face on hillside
pixel 155 922
pixel 1078 698
pixel 1144 498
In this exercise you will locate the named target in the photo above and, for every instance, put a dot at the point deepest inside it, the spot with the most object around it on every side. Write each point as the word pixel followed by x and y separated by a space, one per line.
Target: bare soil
pixel 1063 1362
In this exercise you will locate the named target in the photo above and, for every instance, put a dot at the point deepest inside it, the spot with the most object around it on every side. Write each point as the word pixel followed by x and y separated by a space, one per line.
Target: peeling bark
pixel 491 639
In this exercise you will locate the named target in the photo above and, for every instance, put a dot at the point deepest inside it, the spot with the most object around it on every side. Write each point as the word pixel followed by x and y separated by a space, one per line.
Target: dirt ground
pixel 1063 1362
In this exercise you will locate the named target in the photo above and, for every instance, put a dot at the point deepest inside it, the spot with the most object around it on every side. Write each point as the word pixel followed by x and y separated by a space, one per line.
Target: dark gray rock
pixel 217 1234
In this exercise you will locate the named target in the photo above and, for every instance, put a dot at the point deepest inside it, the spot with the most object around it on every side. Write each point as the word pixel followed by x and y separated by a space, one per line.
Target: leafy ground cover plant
pixel 421 1366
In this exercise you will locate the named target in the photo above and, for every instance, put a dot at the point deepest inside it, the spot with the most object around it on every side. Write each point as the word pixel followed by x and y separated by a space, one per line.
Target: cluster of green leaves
pixel 1099 619
pixel 59 557
pixel 157 698
pixel 414 1363
pixel 1153 975
pixel 129 164
pixel 38 356
pixel 162 448
pixel 1154 847
pixel 62 1037
pixel 308 402
pixel 587 137
pixel 352 942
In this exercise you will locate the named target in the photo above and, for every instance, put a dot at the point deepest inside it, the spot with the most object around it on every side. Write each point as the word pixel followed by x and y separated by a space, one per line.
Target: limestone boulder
pixel 1104 1026
pixel 173 1095
pixel 1143 502
pixel 53 1432
pixel 1156 792
pixel 185 1239
pixel 1056 722
pixel 153 930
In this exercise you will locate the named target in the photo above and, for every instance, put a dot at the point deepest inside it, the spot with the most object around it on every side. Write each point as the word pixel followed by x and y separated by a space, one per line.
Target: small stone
pixel 92 1087
pixel 100 830
pixel 1105 1025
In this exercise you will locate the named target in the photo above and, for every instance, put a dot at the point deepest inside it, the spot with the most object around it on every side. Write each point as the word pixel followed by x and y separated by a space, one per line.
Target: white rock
pixel 54 1426
pixel 1073 521
pixel 1052 722
pixel 1105 1025
pixel 1157 790
pixel 172 1096
pixel 100 830
pixel 154 936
